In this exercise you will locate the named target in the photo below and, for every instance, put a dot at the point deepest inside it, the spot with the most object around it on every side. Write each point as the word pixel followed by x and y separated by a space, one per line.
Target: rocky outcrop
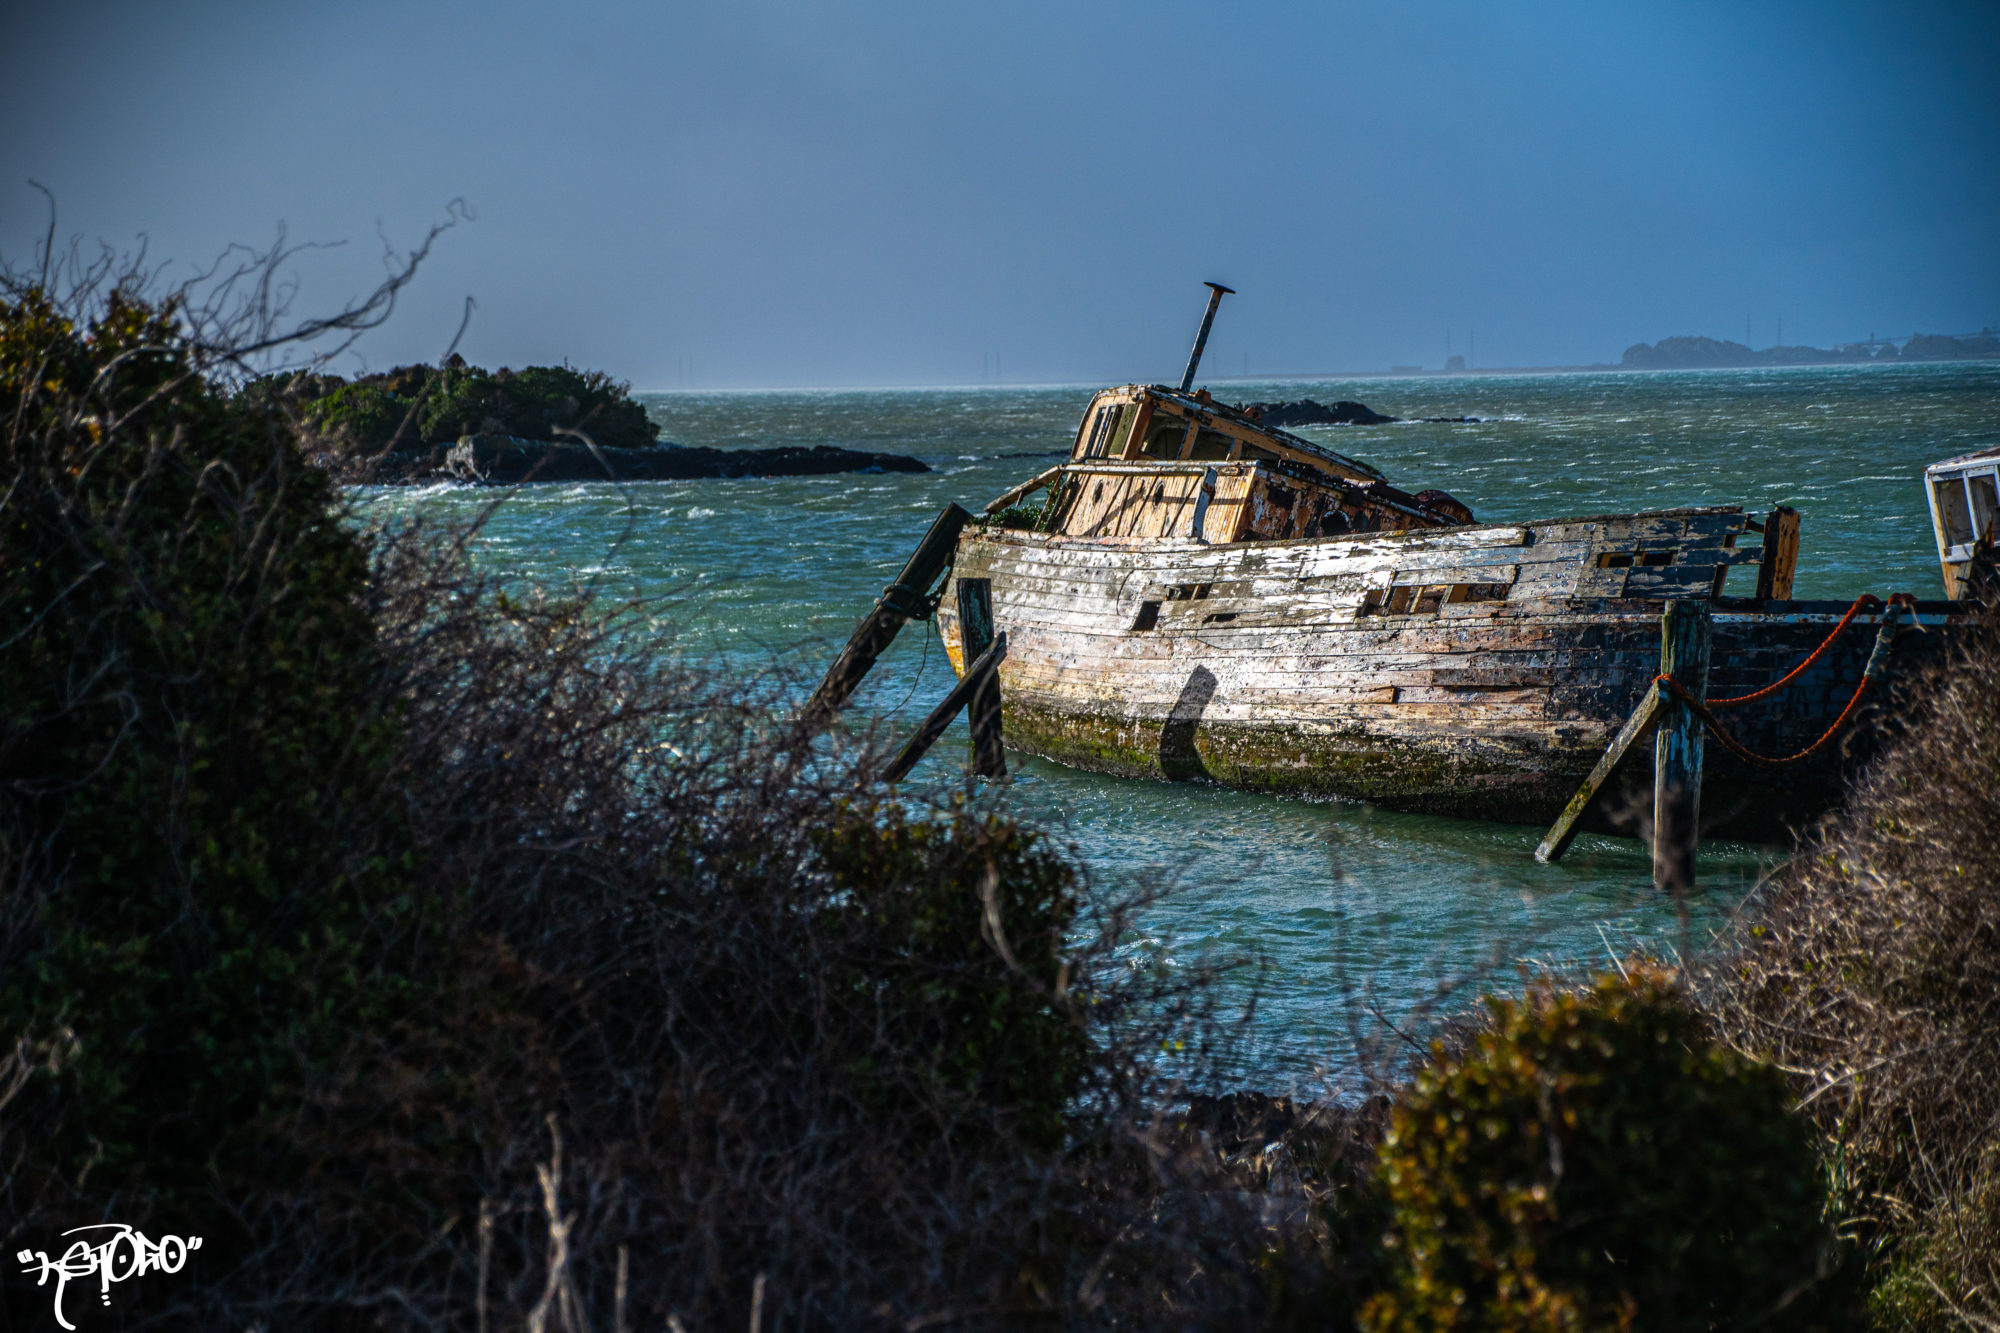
pixel 1306 412
pixel 507 460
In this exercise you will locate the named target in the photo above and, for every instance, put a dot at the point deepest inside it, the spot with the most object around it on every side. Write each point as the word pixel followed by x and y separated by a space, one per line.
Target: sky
pixel 766 194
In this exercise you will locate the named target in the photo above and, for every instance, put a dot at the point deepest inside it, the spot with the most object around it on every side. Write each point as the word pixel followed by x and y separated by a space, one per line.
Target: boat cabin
pixel 1964 496
pixel 1149 462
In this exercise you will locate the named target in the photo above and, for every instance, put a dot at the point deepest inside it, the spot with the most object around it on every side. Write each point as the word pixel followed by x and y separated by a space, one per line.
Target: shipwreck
pixel 1196 594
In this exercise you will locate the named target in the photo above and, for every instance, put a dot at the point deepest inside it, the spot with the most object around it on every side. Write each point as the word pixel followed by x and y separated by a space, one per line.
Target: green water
pixel 1338 900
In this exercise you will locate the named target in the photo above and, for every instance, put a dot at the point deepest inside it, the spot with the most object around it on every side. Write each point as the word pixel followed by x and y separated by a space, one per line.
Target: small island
pixel 460 422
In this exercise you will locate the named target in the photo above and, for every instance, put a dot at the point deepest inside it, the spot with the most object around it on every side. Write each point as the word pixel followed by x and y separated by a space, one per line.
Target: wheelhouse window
pixel 1954 513
pixel 1985 498
pixel 1163 437
pixel 1105 427
pixel 1210 446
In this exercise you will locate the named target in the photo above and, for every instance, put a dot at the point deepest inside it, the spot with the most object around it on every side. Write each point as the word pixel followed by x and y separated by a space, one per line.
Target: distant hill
pixel 1714 354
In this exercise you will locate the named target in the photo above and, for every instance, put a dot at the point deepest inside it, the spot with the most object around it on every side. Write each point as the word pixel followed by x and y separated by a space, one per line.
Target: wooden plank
pixel 1686 631
pixel 1028 487
pixel 1780 555
pixel 977 675
pixel 1427 576
pixel 878 629
pixel 1563 831
pixel 1135 442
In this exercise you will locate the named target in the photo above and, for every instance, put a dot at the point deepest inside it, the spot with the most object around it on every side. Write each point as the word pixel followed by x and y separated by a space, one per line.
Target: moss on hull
pixel 1506 783
pixel 1349 763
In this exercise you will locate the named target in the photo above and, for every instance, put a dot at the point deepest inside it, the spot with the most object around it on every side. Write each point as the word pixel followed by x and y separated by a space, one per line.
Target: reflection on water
pixel 1330 894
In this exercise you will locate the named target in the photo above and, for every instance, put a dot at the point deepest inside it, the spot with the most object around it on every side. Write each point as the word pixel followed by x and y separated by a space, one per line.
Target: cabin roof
pixel 1187 402
pixel 1977 456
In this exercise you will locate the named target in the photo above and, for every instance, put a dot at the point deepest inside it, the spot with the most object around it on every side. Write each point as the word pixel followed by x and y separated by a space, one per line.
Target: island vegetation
pixel 413 407
pixel 1686 353
pixel 459 422
pixel 454 958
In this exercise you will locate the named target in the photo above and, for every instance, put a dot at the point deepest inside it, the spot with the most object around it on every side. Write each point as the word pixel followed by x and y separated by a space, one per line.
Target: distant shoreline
pixel 1289 377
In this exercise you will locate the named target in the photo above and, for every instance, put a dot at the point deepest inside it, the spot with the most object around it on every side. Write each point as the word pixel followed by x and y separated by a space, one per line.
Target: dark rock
pixel 1306 412
pixel 1327 1141
pixel 506 460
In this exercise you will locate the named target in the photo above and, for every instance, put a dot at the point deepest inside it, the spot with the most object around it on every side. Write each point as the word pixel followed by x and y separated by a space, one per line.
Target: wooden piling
pixel 975 620
pixel 975 677
pixel 1686 628
pixel 903 600
pixel 1781 555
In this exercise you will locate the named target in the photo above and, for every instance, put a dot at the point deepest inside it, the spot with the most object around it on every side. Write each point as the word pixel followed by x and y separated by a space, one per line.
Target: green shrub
pixel 368 414
pixel 188 726
pixel 969 972
pixel 1591 1160
pixel 1024 517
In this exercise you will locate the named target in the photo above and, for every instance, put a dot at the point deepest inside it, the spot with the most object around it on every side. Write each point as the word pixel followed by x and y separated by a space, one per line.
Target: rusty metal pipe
pixel 1216 291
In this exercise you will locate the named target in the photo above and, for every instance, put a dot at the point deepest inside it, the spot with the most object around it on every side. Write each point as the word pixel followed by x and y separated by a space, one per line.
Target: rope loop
pixel 1747 755
pixel 913 603
pixel 1877 666
pixel 905 601
pixel 1865 599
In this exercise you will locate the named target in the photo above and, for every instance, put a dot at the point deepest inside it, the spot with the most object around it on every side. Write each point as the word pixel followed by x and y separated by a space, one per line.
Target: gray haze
pixel 770 194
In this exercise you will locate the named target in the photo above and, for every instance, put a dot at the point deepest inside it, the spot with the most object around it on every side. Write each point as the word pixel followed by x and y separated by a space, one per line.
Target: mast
pixel 1216 291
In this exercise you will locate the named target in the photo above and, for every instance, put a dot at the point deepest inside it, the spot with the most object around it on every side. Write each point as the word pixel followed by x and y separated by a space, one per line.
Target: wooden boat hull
pixel 1287 667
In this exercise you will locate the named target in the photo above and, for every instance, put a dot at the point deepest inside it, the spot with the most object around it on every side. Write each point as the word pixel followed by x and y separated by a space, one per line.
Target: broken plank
pixel 1563 832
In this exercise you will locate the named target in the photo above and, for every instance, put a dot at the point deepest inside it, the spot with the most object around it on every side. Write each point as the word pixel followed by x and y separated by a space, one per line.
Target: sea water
pixel 1347 910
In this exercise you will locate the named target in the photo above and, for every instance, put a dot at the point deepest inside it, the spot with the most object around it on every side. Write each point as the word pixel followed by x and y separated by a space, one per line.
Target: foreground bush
pixel 448 958
pixel 452 958
pixel 1591 1160
pixel 1871 970
pixel 192 740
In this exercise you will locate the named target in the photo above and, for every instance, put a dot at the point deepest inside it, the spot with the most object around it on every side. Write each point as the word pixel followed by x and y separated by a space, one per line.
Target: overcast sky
pixel 775 194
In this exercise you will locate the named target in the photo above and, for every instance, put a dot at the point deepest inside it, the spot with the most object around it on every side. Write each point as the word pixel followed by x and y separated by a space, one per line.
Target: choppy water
pixel 1330 895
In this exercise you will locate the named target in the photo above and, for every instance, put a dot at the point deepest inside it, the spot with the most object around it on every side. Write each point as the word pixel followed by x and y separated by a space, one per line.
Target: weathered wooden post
pixel 1686 628
pixel 1781 555
pixel 901 601
pixel 975 626
pixel 976 673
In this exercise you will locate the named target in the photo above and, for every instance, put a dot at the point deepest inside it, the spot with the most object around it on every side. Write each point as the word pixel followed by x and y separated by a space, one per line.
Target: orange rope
pixel 1876 663
pixel 1748 756
pixel 1779 684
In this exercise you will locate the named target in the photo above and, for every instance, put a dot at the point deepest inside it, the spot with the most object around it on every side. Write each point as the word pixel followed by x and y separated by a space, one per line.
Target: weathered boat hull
pixel 1487 692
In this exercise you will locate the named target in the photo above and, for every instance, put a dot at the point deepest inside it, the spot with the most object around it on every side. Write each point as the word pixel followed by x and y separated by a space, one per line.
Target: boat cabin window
pixel 1985 505
pixel 1163 437
pixel 1211 446
pixel 1104 428
pixel 1954 514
